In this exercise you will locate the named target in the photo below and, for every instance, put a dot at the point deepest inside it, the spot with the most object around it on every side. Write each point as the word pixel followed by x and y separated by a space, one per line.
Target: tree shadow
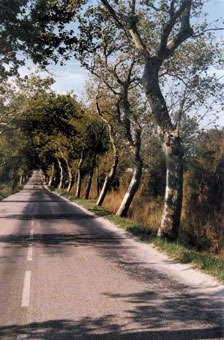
pixel 164 302
pixel 104 328
pixel 52 216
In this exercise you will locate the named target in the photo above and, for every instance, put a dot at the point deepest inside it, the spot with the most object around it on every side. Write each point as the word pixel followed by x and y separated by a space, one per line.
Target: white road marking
pixel 30 253
pixel 31 234
pixel 32 223
pixel 21 337
pixel 26 289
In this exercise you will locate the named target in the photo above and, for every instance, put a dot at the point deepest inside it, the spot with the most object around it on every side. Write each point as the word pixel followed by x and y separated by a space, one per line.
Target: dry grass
pixel 146 211
pixel 199 230
pixel 113 200
pixel 142 210
pixel 201 225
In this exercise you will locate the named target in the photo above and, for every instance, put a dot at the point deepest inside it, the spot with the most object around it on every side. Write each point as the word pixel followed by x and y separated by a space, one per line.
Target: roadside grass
pixel 7 190
pixel 206 262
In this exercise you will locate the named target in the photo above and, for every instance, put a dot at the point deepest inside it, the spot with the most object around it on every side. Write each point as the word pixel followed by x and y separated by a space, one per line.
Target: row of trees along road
pixel 151 67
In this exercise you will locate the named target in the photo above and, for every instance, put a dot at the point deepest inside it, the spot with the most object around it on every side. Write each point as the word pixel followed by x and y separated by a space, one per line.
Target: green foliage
pixel 12 24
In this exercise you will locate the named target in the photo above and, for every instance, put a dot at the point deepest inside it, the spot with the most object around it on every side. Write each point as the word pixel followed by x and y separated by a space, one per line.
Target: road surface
pixel 67 274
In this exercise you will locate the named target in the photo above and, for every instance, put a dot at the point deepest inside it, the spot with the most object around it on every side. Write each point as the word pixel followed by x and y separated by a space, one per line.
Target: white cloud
pixel 69 81
pixel 67 78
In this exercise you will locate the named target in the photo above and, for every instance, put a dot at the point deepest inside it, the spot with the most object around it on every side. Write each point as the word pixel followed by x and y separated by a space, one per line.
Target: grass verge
pixel 208 263
pixel 6 190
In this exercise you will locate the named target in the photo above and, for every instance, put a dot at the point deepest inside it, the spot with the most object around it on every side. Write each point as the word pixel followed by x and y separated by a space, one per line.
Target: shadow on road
pixel 101 329
pixel 163 303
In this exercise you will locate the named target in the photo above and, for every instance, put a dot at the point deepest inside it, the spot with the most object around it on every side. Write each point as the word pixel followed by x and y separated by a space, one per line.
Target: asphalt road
pixel 67 274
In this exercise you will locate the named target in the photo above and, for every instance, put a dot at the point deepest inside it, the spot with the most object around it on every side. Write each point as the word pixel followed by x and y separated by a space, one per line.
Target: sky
pixel 72 77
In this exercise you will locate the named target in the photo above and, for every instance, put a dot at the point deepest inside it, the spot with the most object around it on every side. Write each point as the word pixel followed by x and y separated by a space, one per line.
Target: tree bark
pixel 90 177
pixel 70 179
pixel 21 180
pixel 69 175
pixel 133 187
pixel 79 183
pixel 170 221
pixel 79 177
pixel 51 176
pixel 133 136
pixel 108 179
pixel 61 174
pixel 172 149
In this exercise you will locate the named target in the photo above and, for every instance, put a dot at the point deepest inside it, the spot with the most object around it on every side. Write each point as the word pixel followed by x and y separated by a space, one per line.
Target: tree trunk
pixel 172 150
pixel 97 181
pixel 51 176
pixel 21 180
pixel 108 180
pixel 174 186
pixel 79 177
pixel 90 177
pixel 70 180
pixel 79 183
pixel 61 174
pixel 69 175
pixel 133 187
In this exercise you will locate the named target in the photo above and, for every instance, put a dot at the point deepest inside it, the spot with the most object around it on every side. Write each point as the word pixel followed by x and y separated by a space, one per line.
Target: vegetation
pixel 136 146
pixel 148 47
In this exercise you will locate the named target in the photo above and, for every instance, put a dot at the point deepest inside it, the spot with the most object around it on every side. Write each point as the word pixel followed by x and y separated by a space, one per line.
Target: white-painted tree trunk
pixel 109 178
pixel 61 174
pixel 70 179
pixel 79 177
pixel 133 187
pixel 170 221
pixel 21 180
pixel 51 176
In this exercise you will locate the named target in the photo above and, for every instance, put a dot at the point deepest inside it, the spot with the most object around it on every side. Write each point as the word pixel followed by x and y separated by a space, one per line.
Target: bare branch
pixel 132 7
pixel 2 164
pixel 207 30
pixel 183 13
pixel 112 12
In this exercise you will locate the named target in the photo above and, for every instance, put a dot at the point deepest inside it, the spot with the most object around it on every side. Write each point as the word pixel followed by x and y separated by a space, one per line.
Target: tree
pixel 13 22
pixel 110 176
pixel 162 35
pixel 49 121
pixel 124 112
pixel 173 31
pixel 96 143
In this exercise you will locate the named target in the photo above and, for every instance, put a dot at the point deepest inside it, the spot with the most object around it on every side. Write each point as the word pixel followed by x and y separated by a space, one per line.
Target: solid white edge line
pixel 30 253
pixel 26 289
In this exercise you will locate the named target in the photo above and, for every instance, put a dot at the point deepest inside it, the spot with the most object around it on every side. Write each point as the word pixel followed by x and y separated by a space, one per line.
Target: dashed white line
pixel 30 253
pixel 31 234
pixel 21 337
pixel 26 289
pixel 32 223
